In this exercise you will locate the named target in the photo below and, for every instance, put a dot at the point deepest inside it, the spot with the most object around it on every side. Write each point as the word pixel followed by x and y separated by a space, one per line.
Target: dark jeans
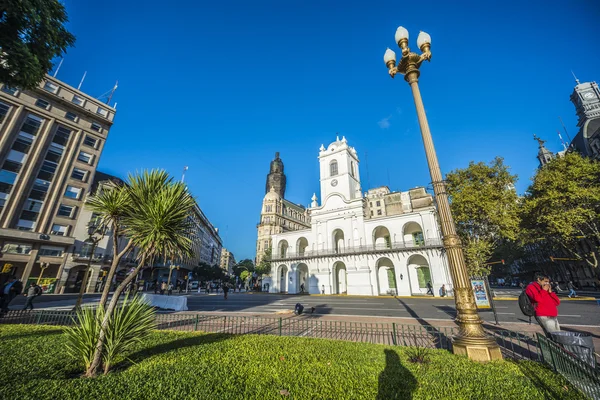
pixel 6 299
pixel 29 303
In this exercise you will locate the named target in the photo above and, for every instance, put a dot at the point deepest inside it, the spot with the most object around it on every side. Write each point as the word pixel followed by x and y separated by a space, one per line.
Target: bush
pixel 216 366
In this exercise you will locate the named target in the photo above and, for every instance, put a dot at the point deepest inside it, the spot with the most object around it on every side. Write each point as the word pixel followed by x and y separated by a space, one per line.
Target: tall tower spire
pixel 544 155
pixel 276 177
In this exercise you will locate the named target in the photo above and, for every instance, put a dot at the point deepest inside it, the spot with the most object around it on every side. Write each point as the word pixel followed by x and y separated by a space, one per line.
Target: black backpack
pixel 525 305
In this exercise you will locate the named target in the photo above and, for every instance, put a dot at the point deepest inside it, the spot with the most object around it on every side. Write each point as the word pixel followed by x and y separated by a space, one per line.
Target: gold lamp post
pixel 471 339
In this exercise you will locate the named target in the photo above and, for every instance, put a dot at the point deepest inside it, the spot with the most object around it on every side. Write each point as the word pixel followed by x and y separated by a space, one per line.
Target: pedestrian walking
pixel 443 291
pixel 12 289
pixel 322 289
pixel 545 303
pixel 302 288
pixel 163 287
pixel 430 289
pixel 225 290
pixel 33 291
pixel 571 288
pixel 170 292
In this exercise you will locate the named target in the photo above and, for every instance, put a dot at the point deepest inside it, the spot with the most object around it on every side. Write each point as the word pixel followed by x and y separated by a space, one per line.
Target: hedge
pixel 33 365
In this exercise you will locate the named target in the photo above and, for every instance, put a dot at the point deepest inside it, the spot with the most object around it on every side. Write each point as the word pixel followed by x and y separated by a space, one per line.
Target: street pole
pixel 471 339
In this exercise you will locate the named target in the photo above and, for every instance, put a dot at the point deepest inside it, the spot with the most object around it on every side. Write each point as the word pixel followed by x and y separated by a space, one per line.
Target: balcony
pixel 371 249
pixel 98 257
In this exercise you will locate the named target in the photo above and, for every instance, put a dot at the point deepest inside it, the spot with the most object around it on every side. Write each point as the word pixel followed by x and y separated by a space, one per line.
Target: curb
pixel 358 296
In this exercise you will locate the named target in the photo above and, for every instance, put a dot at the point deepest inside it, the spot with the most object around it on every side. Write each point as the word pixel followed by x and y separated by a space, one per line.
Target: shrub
pixel 82 337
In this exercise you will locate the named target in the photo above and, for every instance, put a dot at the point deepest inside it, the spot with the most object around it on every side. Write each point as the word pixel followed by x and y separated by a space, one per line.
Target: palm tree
pixel 157 223
pixel 111 203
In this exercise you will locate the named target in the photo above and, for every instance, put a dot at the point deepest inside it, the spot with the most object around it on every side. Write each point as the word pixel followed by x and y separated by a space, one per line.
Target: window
pixel 31 125
pixel 423 276
pixel 80 101
pixel 3 111
pixel 59 230
pixel 418 238
pixel 71 116
pixel 25 225
pixel 65 211
pixel 85 157
pixel 50 87
pixel 9 90
pixel 16 248
pixel 79 174
pixel 62 136
pixel 42 104
pixel 352 168
pixel 90 141
pixel 371 213
pixel 96 127
pixel 378 212
pixel 51 251
pixel 333 168
pixel 12 166
pixel 33 205
pixel 378 203
pixel 102 112
pixel 73 192
pixel 7 177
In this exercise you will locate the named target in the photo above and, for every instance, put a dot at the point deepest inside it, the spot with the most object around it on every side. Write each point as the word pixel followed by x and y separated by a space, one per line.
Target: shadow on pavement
pixel 395 381
pixel 433 335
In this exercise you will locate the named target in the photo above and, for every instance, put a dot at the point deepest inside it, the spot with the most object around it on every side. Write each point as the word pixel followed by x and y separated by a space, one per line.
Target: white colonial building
pixel 379 243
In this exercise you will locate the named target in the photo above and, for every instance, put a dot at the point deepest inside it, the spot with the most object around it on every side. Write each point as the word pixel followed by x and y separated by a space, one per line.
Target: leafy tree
pixel 264 266
pixel 244 265
pixel 245 275
pixel 562 207
pixel 485 209
pixel 32 33
pixel 156 220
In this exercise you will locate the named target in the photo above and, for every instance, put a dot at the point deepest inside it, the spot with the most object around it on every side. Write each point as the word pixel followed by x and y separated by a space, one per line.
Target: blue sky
pixel 222 87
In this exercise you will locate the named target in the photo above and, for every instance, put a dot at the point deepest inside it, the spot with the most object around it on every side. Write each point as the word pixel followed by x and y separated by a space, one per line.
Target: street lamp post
pixel 43 267
pixel 471 339
pixel 95 234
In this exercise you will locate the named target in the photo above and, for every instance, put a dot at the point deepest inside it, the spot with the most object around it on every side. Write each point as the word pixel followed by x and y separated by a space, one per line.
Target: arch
pixel 413 234
pixel 75 278
pixel 302 278
pixel 339 278
pixel 333 168
pixel 301 246
pixel 381 238
pixel 386 277
pixel 338 240
pixel 422 271
pixel 283 247
pixel 282 278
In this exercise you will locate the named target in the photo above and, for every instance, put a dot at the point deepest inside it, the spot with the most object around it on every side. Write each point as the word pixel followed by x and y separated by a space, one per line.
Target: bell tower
pixel 339 170
pixel 586 98
pixel 276 177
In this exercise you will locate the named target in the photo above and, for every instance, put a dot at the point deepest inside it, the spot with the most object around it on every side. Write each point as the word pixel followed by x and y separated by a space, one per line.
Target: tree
pixel 32 33
pixel 562 207
pixel 244 265
pixel 485 208
pixel 111 204
pixel 264 266
pixel 156 220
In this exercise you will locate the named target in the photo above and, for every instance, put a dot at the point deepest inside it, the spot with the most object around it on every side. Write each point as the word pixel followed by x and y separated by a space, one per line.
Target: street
pixel 571 312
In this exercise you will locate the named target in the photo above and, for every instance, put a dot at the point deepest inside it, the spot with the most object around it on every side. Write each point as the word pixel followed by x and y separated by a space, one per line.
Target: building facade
pixel 356 245
pixel 51 139
pixel 277 214
pixel 227 261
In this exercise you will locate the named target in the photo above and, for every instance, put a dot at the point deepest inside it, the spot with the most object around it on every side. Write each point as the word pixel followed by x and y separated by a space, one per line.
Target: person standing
pixel 12 289
pixel 430 289
pixel 443 291
pixel 163 287
pixel 302 288
pixel 170 292
pixel 225 290
pixel 33 291
pixel 571 288
pixel 545 303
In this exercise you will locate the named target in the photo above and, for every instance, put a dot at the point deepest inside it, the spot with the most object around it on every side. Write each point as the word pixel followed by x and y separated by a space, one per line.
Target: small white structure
pixel 349 250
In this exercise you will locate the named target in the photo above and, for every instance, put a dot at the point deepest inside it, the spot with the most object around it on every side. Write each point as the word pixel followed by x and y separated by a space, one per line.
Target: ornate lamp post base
pixel 477 349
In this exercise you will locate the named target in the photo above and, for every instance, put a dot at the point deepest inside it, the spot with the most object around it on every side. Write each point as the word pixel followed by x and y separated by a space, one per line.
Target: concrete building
pixel 277 214
pixel 397 250
pixel 51 139
pixel 586 99
pixel 227 261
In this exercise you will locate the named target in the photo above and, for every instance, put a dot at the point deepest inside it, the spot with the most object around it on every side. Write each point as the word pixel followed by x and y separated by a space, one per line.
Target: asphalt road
pixel 571 312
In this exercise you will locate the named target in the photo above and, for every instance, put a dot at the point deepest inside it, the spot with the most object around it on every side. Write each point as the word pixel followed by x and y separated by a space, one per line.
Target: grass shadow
pixel 539 382
pixel 395 381
pixel 162 348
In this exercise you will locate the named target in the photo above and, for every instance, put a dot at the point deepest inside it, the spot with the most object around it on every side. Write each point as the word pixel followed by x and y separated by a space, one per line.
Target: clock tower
pixel 339 170
pixel 586 98
pixel 276 177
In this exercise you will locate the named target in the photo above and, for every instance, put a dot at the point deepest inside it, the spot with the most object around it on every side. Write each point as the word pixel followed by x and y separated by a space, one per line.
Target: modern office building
pixel 51 139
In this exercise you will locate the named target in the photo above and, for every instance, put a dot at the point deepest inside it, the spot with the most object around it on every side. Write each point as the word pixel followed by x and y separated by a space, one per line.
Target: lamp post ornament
pixel 471 339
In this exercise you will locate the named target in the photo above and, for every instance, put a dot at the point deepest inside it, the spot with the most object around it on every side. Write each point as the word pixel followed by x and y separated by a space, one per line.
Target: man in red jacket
pixel 545 302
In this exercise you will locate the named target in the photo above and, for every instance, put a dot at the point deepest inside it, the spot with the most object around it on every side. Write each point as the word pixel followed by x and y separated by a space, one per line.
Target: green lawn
pixel 33 365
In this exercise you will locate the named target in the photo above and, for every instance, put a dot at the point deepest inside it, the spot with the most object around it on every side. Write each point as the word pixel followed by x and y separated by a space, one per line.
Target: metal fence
pixel 515 345
pixel 580 374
